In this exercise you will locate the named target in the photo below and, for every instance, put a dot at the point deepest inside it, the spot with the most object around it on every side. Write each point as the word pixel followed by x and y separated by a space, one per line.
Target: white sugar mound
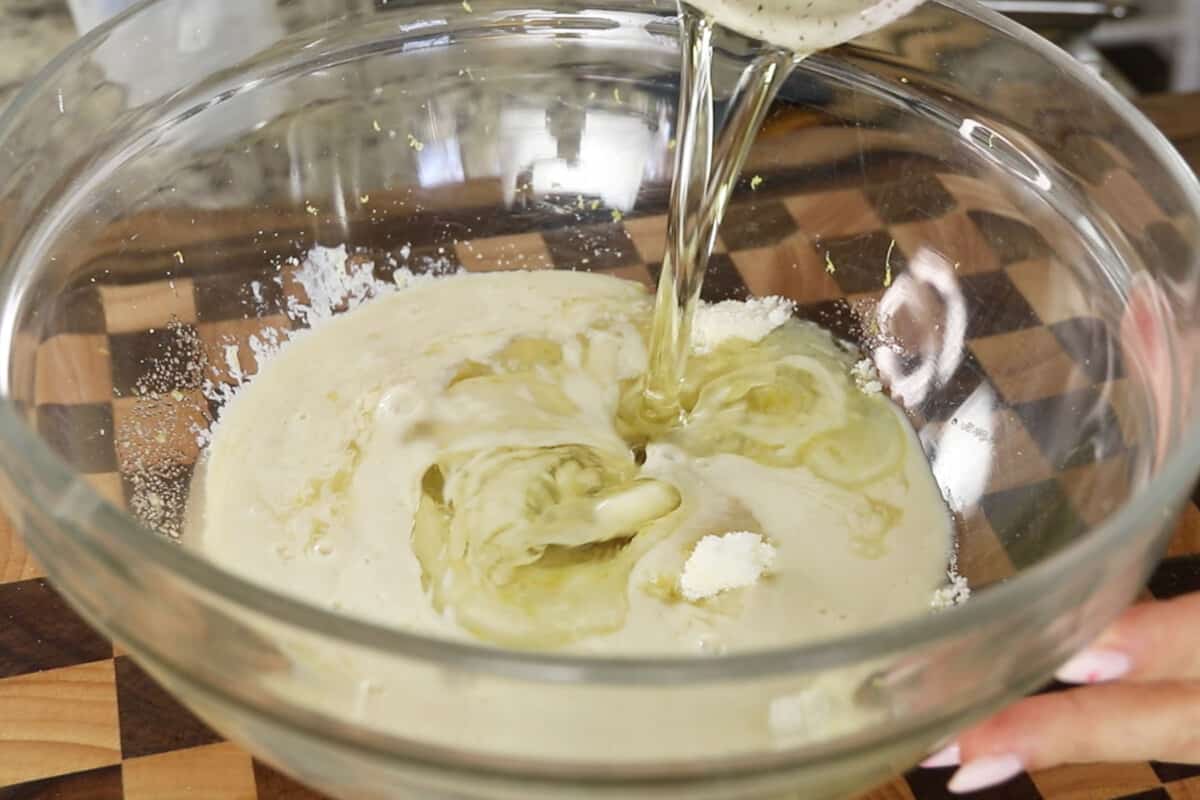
pixel 722 562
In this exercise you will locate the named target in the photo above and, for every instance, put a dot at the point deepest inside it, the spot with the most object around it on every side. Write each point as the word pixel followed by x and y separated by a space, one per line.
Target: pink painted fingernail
pixel 1094 666
pixel 948 756
pixel 980 773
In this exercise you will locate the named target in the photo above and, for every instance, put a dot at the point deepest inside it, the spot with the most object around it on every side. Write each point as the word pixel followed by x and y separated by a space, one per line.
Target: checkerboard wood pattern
pixel 80 720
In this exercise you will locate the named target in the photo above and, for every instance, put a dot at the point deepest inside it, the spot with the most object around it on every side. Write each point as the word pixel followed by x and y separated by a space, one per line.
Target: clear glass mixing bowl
pixel 1016 245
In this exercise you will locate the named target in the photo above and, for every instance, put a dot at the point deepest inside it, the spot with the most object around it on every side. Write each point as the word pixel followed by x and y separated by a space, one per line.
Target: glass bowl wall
pixel 1013 243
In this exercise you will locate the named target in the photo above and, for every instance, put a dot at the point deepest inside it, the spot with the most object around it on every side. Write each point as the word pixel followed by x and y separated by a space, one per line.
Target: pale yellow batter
pixel 459 458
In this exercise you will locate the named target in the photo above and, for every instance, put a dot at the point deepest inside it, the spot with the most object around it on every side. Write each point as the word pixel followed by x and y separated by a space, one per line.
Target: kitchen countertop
pixel 1178 116
pixel 78 720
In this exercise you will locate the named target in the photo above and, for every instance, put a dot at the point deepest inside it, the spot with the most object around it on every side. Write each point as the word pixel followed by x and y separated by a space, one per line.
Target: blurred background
pixel 1140 46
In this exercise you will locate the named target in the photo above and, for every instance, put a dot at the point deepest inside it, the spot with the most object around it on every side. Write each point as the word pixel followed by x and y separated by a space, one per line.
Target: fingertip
pixel 948 756
pixel 1095 665
pixel 984 772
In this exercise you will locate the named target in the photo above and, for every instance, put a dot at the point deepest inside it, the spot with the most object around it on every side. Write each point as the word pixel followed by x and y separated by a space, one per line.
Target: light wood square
pixel 1051 289
pixel 519 251
pixel 791 269
pixel 1097 490
pixel 158 429
pixel 1128 400
pixel 141 306
pixel 952 238
pixel 217 337
pixel 1016 460
pixel 108 485
pixel 73 369
pixel 1184 790
pixel 58 721
pixel 649 236
pixel 831 215
pixel 1128 201
pixel 213 772
pixel 634 272
pixel 982 557
pixel 1186 541
pixel 16 562
pixel 1089 781
pixel 897 789
pixel 1029 365
pixel 974 194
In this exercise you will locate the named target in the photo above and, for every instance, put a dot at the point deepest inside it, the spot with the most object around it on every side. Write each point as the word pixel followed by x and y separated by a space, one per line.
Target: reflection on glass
pixel 928 294
pixel 962 451
pixel 613 153
pixel 440 163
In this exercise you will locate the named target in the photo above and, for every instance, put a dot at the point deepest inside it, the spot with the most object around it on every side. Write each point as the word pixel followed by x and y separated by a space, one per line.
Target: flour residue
pixel 332 281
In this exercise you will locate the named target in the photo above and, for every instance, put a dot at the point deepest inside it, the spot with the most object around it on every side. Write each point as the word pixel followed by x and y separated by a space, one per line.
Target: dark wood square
pixel 236 295
pixel 82 434
pixel 1163 245
pixel 910 200
pixel 756 224
pixel 94 784
pixel 157 494
pixel 930 784
pixel 1011 239
pixel 860 263
pixel 74 310
pixel 40 631
pixel 433 259
pixel 722 280
pixel 945 400
pixel 1086 157
pixel 1073 429
pixel 1157 793
pixel 273 785
pixel 1032 521
pixel 158 360
pixel 153 721
pixel 1093 347
pixel 837 316
pixel 995 305
pixel 592 247
pixel 1168 772
pixel 1175 577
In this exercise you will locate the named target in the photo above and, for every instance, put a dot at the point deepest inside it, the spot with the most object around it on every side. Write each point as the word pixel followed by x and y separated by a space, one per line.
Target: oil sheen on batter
pixel 464 458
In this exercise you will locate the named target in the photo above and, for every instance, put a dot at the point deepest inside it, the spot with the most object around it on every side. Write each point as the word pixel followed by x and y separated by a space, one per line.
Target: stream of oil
pixel 709 156
pixel 767 39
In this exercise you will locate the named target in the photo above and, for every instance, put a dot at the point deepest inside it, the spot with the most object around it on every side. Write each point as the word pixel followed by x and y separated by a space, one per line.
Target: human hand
pixel 1140 701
